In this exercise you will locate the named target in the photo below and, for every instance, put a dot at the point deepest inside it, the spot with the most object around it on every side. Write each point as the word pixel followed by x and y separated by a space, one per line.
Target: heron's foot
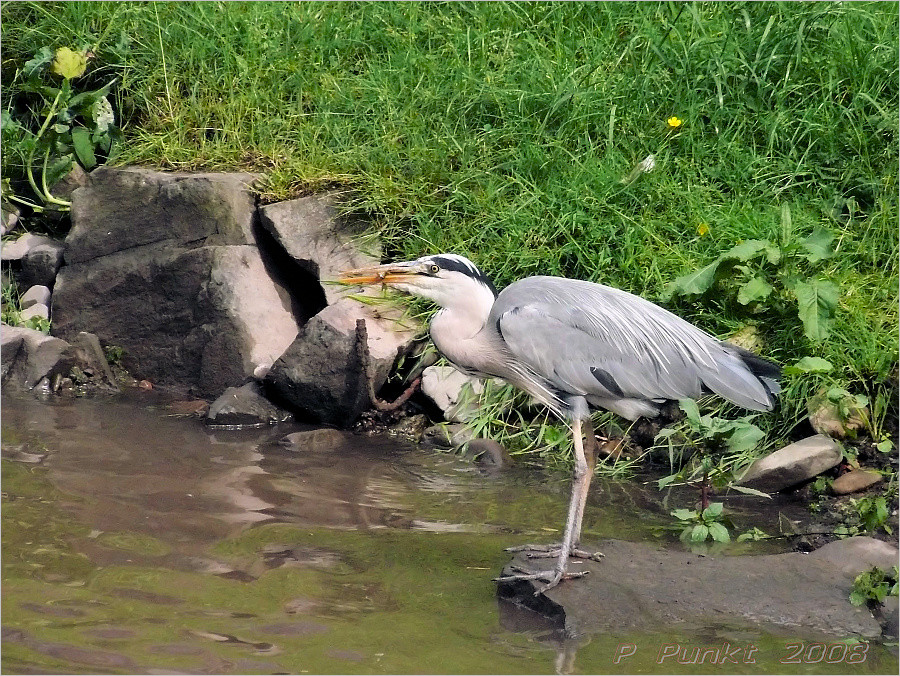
pixel 551 577
pixel 554 551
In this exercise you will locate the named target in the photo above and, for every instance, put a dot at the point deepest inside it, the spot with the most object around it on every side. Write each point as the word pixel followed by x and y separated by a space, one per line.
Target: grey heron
pixel 573 345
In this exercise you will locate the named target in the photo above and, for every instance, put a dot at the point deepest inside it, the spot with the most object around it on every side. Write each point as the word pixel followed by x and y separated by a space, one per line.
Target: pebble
pixel 854 481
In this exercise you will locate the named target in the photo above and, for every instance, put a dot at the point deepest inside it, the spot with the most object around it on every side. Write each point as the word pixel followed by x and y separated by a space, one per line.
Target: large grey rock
pixel 319 239
pixel 792 464
pixel 637 587
pixel 857 554
pixel 203 318
pixel 28 356
pixel 36 294
pixel 244 407
pixel 444 385
pixel 127 207
pixel 321 376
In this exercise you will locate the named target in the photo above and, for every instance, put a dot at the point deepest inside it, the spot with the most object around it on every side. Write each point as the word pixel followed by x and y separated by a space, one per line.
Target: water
pixel 136 541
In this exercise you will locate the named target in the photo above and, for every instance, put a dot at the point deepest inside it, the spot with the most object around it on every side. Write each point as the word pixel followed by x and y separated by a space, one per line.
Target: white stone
pixel 36 294
pixel 444 385
pixel 35 310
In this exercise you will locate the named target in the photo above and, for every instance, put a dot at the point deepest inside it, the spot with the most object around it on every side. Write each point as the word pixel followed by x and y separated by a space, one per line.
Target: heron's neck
pixel 460 319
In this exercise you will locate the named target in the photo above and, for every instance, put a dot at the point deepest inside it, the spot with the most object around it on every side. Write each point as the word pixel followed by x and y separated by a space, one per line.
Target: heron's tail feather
pixel 768 372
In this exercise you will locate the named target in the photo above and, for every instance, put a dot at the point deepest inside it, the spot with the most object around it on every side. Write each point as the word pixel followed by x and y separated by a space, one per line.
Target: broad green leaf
pixel 68 63
pixel 885 446
pixel 809 365
pixel 713 510
pixel 818 245
pixel 666 480
pixel 84 147
pixel 754 290
pixel 691 410
pixel 43 56
pixel 817 300
pixel 857 598
pixel 750 491
pixel 696 282
pixel 773 254
pixel 745 438
pixel 699 533
pixel 746 250
pixel 719 533
pixel 684 514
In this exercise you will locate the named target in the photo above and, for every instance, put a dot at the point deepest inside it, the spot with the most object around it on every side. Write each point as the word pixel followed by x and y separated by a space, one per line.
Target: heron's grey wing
pixel 608 344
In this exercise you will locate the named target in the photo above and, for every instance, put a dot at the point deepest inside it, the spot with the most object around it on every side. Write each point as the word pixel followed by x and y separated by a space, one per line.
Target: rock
pixel 35 310
pixel 88 355
pixel 202 319
pixel 444 386
pixel 856 555
pixel 448 435
pixel 29 356
pixel 36 294
pixel 323 439
pixel 244 407
pixel 854 481
pixel 827 417
pixel 792 464
pixel 320 374
pixel 318 238
pixel 9 217
pixel 488 453
pixel 41 264
pixel 16 251
pixel 890 617
pixel 127 207
pixel 638 588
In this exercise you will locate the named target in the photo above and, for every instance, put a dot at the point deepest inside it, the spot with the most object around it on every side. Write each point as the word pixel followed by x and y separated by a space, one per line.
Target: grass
pixel 503 131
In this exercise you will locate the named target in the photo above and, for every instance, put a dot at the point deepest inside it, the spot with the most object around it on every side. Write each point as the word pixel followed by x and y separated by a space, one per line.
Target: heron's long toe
pixel 553 551
pixel 551 577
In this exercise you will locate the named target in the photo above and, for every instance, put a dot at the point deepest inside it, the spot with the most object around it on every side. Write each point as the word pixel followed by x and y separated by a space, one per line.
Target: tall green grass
pixel 503 131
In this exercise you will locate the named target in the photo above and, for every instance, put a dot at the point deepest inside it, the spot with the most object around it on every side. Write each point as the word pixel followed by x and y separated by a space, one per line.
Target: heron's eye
pixel 434 268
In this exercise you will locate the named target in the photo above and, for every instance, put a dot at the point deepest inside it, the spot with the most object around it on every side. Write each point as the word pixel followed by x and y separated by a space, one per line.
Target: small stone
pixel 244 407
pixel 488 453
pixel 792 464
pixel 15 251
pixel 35 310
pixel 826 417
pixel 36 294
pixel 854 481
pixel 323 439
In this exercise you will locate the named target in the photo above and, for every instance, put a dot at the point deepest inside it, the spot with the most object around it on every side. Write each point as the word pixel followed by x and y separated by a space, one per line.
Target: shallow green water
pixel 145 543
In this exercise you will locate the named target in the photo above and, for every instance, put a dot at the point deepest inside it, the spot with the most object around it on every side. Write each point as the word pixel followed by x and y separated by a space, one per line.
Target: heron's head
pixel 445 279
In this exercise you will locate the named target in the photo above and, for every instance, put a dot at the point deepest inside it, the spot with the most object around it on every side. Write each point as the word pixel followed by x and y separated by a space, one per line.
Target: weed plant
pixel 511 133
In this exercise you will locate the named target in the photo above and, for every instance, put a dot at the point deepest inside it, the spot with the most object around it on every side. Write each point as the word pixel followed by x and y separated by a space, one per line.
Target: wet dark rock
pixel 854 481
pixel 35 294
pixel 889 617
pixel 637 587
pixel 321 376
pixel 322 439
pixel 855 555
pixel 244 406
pixel 792 464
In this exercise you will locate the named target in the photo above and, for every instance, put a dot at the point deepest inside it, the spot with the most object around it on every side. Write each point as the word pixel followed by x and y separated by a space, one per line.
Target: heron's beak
pixel 380 274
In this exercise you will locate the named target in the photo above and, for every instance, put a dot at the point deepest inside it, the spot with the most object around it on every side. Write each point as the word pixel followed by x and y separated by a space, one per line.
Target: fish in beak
pixel 392 273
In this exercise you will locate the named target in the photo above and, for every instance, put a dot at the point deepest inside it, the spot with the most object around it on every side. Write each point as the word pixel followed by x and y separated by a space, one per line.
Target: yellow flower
pixel 68 63
pixel 703 229
pixel 673 122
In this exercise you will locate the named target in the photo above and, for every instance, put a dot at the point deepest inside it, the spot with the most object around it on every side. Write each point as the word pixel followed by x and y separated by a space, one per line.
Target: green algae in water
pixel 134 542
